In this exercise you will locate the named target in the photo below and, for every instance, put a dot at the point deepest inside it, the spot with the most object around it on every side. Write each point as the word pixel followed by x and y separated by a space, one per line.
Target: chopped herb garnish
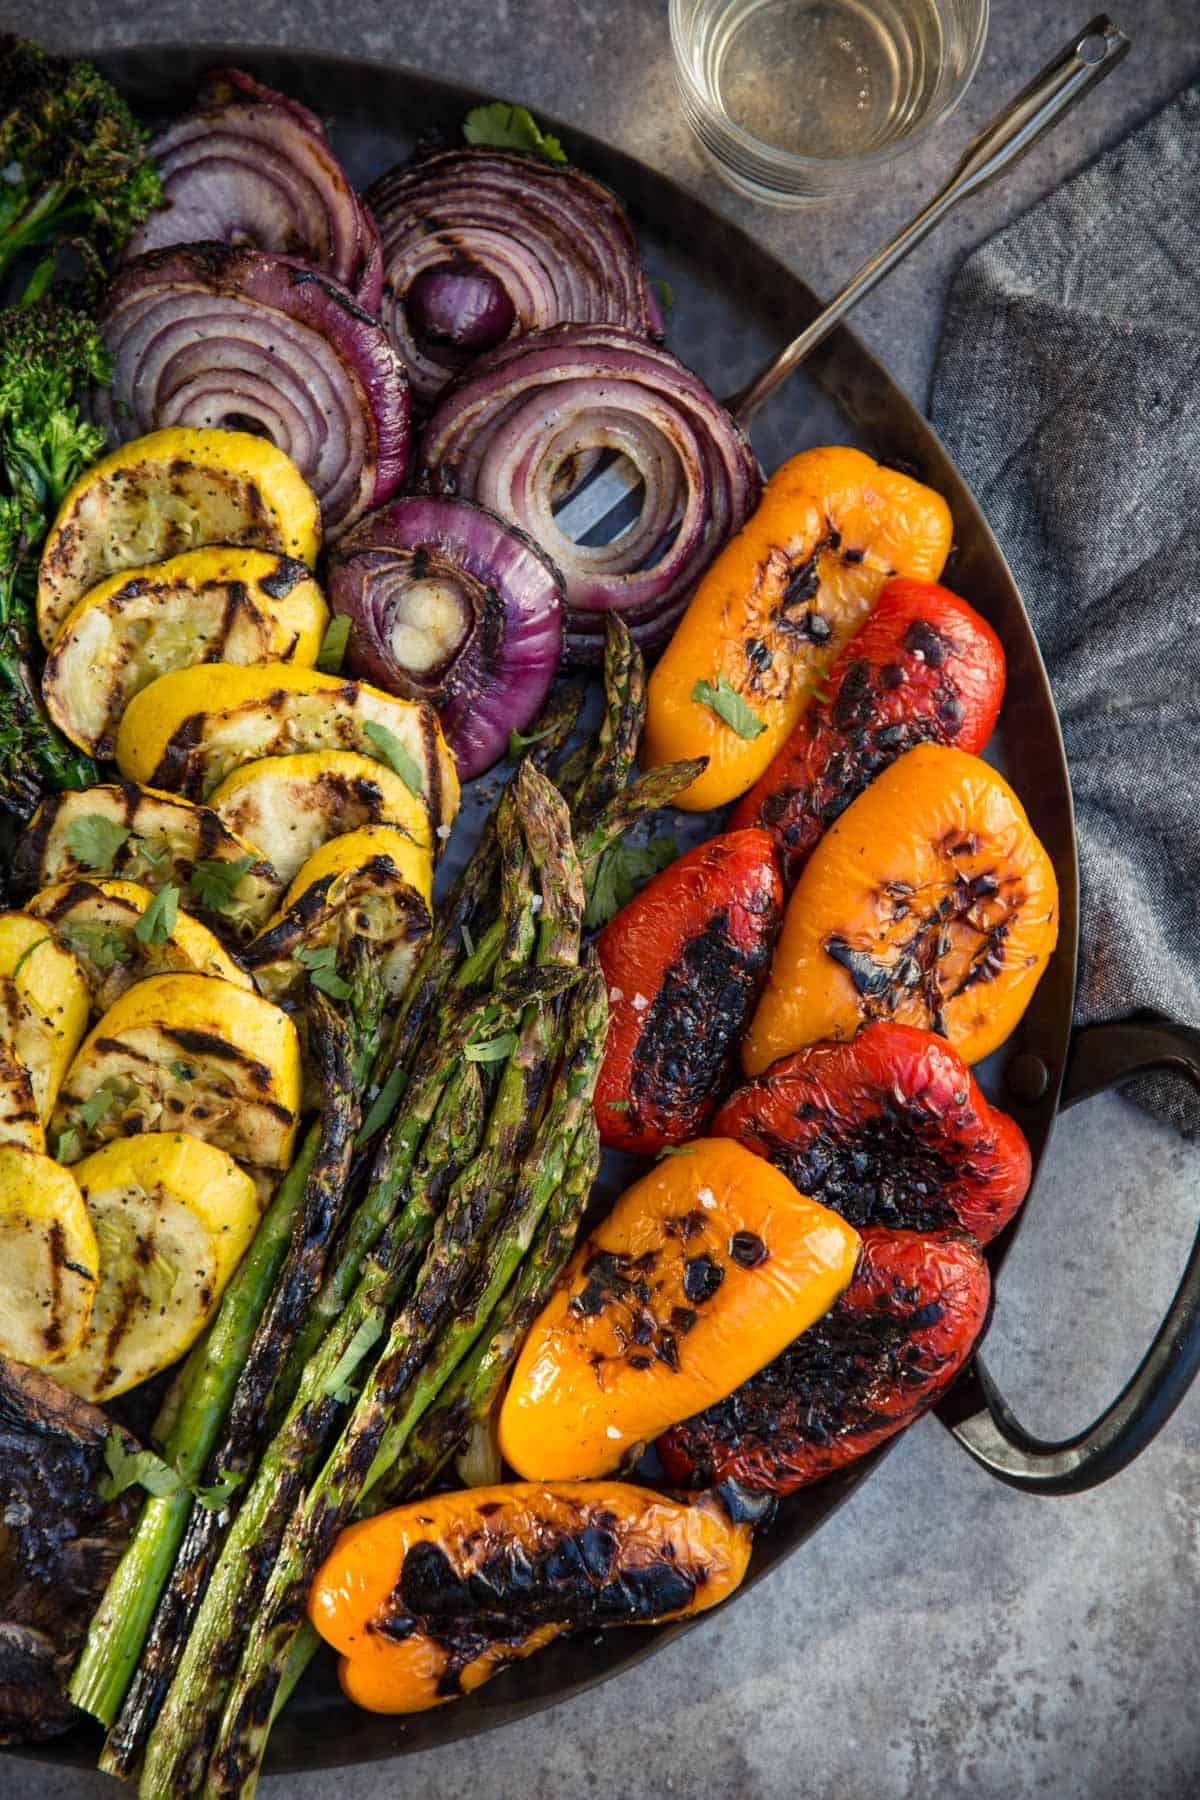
pixel 135 1468
pixel 517 741
pixel 817 691
pixel 183 1071
pixel 98 943
pixel 468 941
pixel 67 1145
pixel 503 127
pixel 26 953
pixel 322 971
pixel 665 292
pixel 336 1383
pixel 333 645
pixel 214 1497
pixel 94 841
pixel 98 1104
pixel 494 1050
pixel 728 705
pixel 380 1110
pixel 397 756
pixel 617 1105
pixel 158 921
pixel 623 868
pixel 214 881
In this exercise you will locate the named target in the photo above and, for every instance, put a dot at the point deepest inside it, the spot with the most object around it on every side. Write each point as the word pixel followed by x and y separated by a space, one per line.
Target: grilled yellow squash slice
pixel 172 1216
pixel 157 840
pixel 288 806
pixel 190 1053
pixel 189 731
pixel 49 1261
pixel 20 1120
pixel 374 885
pixel 174 490
pixel 214 605
pixel 99 921
pixel 43 1007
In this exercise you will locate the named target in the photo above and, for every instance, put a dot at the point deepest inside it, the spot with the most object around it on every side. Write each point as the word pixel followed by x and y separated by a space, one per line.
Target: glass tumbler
pixel 800 100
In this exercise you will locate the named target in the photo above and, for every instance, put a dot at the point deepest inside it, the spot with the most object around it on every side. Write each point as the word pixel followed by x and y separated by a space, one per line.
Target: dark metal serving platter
pixel 734 305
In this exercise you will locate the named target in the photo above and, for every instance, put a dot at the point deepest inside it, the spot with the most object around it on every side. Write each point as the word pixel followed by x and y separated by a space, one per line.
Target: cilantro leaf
pixel 214 881
pixel 94 841
pixel 336 1382
pixel 728 705
pixel 100 1103
pixel 380 1110
pixel 215 1496
pixel 133 1468
pixel 67 1145
pixel 333 645
pixel 26 953
pixel 396 756
pixel 675 1150
pixel 102 946
pixel 183 1071
pixel 158 921
pixel 617 1105
pixel 623 867
pixel 665 292
pixel 141 1468
pixel 504 127
pixel 494 1050
pixel 322 971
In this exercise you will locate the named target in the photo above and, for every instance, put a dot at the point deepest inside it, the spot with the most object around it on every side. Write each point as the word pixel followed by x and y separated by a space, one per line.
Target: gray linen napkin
pixel 1067 387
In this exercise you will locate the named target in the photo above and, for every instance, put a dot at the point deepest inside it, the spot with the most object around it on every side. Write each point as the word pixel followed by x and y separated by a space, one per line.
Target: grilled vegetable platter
pixel 487 1022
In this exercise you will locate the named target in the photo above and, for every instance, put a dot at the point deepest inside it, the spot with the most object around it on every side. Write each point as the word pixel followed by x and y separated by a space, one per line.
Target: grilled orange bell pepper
pixel 428 1601
pixel 701 1273
pixel 777 606
pixel 930 901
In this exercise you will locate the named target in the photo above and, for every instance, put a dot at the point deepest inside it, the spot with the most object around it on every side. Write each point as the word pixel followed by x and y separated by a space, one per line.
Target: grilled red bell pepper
pixel 885 1352
pixel 888 1129
pixel 684 962
pixel 924 668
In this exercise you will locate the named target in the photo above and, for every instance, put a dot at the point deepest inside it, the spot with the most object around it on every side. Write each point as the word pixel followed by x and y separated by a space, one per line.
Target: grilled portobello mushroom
pixel 59 1542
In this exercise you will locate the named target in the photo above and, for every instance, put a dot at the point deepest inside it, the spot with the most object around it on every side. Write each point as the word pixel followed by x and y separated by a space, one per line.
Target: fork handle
pixel 1091 54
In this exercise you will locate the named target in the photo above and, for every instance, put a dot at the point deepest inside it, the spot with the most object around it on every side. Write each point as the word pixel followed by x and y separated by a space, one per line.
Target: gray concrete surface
pixel 943 1635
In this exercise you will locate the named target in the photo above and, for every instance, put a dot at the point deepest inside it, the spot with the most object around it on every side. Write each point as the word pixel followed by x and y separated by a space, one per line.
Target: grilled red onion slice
pixel 479 245
pixel 207 335
pixel 451 605
pixel 248 166
pixel 540 407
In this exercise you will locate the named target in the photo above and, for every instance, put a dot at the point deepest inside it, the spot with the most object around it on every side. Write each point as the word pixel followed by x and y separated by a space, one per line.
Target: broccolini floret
pixel 73 159
pixel 50 353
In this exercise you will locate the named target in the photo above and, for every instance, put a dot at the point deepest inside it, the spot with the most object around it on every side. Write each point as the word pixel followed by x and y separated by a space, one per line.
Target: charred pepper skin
pixel 684 962
pixel 884 1353
pixel 888 1129
pixel 923 668
pixel 428 1601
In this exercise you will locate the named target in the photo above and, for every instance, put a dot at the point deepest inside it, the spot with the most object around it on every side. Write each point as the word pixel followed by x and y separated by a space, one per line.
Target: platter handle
pixel 1101 1057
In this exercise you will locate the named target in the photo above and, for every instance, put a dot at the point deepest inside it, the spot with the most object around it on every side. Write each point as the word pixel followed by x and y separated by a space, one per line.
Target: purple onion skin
pixel 495 430
pixel 165 288
pixel 294 198
pixel 552 239
pixel 498 680
pixel 465 309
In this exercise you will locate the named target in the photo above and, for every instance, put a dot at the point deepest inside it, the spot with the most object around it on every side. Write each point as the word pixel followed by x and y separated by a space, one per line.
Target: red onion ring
pixel 525 245
pixel 202 334
pixel 451 605
pixel 544 403
pixel 249 167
